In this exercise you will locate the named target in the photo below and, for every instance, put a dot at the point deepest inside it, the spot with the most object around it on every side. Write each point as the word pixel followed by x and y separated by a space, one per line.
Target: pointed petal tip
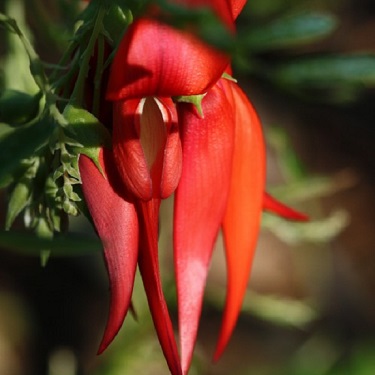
pixel 108 210
pixel 113 326
pixel 241 221
pixel 207 146
pixel 299 216
pixel 228 325
pixel 103 346
pixel 218 351
pixel 150 273
pixel 190 308
pixel 273 205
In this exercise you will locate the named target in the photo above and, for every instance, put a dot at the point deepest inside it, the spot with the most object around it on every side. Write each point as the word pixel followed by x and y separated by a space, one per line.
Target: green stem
pixel 78 92
pixel 65 61
pixel 98 76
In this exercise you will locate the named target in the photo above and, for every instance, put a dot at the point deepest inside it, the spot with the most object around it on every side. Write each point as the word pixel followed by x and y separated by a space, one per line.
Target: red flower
pixel 155 59
pixel 145 139
pixel 215 160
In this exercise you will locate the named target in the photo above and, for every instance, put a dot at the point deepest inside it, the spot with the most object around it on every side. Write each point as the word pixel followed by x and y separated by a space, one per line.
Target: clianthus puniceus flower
pixel 212 156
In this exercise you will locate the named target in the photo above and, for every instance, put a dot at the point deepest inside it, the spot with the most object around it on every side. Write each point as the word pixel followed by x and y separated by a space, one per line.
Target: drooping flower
pixel 200 203
pixel 127 224
pixel 147 155
pixel 213 157
pixel 110 207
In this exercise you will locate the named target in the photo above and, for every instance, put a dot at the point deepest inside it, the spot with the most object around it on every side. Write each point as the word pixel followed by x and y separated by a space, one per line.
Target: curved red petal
pixel 236 7
pixel 199 205
pixel 154 59
pixel 273 205
pixel 116 222
pixel 149 267
pixel 172 161
pixel 172 165
pixel 127 149
pixel 147 146
pixel 243 214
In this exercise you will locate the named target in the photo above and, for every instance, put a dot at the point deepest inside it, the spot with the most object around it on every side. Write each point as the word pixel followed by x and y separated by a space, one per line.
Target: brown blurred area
pixel 57 313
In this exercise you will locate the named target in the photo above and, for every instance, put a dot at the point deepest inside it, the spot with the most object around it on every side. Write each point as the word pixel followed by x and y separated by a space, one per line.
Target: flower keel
pixel 116 222
pixel 199 205
pixel 243 213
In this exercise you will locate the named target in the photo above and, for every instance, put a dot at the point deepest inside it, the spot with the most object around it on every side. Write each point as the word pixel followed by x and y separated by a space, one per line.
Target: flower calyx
pixel 196 100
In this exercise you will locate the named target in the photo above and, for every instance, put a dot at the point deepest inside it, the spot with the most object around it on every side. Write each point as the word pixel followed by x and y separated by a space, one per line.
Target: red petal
pixel 116 222
pixel 199 205
pixel 227 10
pixel 172 162
pixel 147 146
pixel 149 267
pixel 236 7
pixel 155 59
pixel 242 218
pixel 273 205
pixel 127 149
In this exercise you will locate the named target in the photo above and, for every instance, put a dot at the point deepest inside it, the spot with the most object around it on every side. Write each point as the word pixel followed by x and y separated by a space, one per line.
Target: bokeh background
pixel 309 68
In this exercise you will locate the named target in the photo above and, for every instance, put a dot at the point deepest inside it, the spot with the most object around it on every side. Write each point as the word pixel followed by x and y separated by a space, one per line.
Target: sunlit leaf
pixel 88 131
pixel 317 231
pixel 18 201
pixel 278 310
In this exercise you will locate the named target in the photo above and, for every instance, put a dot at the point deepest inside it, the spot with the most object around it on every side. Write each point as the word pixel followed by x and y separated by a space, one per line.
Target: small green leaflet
pixel 86 129
pixel 23 142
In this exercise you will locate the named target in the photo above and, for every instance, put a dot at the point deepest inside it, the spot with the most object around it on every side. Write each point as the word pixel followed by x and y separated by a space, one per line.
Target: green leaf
pixel 19 199
pixel 318 231
pixel 116 21
pixel 290 31
pixel 73 172
pixel 337 79
pixel 283 311
pixel 21 143
pixel 88 131
pixel 43 230
pixel 17 108
pixel 68 191
pixel 6 180
pixel 70 208
pixel 29 244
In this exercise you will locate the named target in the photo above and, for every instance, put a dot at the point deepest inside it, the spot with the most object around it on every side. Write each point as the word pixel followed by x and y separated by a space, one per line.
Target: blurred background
pixel 309 69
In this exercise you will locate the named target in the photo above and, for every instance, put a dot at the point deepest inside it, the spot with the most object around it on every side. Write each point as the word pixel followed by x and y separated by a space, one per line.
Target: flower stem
pixel 98 76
